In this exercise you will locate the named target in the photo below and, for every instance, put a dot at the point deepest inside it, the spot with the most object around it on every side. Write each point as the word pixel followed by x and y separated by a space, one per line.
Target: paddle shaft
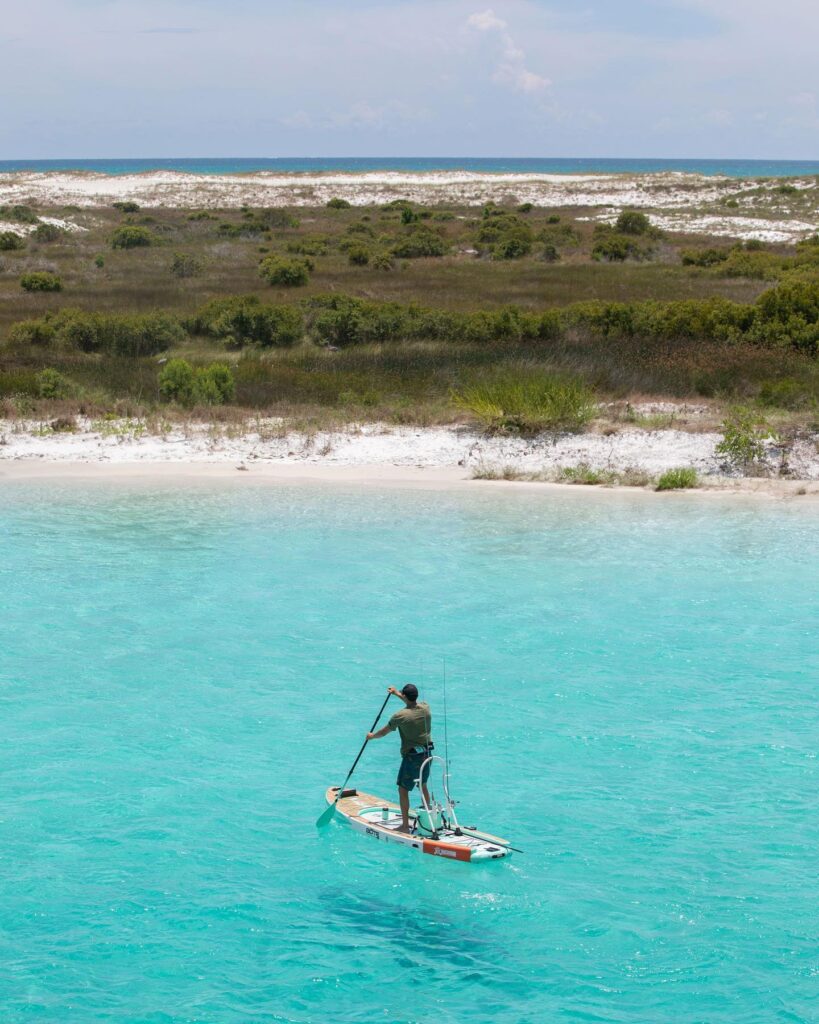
pixel 363 745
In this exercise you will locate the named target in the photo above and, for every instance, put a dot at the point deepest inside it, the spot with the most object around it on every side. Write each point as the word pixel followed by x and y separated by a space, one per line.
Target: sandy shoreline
pixel 192 474
pixel 376 454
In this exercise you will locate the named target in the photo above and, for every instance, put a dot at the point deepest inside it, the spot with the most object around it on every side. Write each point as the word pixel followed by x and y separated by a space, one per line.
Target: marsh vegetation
pixel 518 317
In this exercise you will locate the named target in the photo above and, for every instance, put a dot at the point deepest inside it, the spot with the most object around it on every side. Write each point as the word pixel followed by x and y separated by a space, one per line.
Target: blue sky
pixel 662 78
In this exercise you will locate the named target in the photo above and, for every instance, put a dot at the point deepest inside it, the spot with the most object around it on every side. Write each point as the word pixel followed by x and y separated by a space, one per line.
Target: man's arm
pixel 397 693
pixel 378 735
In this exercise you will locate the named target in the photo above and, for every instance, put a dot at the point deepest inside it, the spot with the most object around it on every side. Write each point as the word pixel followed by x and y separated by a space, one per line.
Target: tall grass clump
pixel 678 479
pixel 527 402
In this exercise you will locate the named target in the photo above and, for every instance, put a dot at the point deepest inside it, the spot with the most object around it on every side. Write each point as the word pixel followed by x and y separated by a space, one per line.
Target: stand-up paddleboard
pixel 433 829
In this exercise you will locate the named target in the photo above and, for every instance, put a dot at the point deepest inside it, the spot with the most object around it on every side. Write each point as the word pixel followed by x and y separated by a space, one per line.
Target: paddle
pixel 327 816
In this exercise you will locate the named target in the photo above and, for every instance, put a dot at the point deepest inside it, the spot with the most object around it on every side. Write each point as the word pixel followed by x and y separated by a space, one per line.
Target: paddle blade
pixel 327 816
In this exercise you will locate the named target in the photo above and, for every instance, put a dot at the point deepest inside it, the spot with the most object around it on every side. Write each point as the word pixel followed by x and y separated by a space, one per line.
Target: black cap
pixel 410 691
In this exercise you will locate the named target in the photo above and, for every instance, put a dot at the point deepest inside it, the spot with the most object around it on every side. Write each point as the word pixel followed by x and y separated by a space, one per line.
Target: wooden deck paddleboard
pixel 380 819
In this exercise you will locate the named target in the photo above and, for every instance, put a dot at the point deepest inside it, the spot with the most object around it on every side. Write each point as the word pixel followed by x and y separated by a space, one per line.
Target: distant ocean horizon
pixel 418 165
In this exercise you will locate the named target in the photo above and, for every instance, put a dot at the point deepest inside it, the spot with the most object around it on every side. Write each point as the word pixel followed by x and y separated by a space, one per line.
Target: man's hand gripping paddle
pixel 327 816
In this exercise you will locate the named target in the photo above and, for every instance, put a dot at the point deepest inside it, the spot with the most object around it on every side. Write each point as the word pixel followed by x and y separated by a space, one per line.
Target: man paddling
pixel 414 725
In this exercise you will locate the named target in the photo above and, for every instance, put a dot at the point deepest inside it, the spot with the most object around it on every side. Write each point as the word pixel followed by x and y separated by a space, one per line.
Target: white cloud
pixel 486 21
pixel 511 69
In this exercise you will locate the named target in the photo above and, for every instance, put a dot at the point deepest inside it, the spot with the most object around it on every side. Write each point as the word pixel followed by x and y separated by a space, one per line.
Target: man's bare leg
pixel 403 799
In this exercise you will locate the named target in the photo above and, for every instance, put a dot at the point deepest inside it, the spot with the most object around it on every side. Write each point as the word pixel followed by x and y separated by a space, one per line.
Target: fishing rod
pixel 472 835
pixel 446 729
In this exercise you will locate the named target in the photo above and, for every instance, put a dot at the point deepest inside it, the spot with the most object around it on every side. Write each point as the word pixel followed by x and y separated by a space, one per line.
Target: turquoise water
pixel 486 165
pixel 632 700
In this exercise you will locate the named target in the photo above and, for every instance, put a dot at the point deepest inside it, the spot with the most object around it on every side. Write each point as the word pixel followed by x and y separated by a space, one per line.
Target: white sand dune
pixel 762 213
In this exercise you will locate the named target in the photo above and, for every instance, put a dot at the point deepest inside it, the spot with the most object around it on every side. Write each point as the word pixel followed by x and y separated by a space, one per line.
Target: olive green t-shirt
pixel 414 726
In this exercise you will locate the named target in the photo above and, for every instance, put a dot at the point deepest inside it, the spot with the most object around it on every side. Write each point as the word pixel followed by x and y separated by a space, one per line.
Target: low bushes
pixel 703 257
pixel 287 273
pixel 132 236
pixel 613 247
pixel 124 334
pixel 10 240
pixel 419 241
pixel 243 319
pixel 503 235
pixel 208 385
pixel 47 232
pixel 185 264
pixel 40 281
pixel 527 401
pixel 338 204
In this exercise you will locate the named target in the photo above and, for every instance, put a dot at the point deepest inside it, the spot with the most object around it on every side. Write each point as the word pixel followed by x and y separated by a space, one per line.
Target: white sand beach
pixel 382 453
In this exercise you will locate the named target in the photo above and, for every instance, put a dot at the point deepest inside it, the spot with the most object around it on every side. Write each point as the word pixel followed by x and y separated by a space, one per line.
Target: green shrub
pixel 276 217
pixel 125 334
pixel 32 332
pixel 177 382
pixel 616 248
pixel 562 236
pixel 512 246
pixel 126 206
pixel 787 316
pixel 632 222
pixel 525 207
pixel 131 236
pixel 287 273
pixel 185 264
pixel 678 479
pixel 215 384
pixel 99 261
pixel 549 254
pixel 503 235
pixel 10 240
pixel 22 214
pixel 40 281
pixel 242 319
pixel 553 218
pixel 47 233
pixel 703 257
pixel 210 385
pixel 744 433
pixel 358 255
pixel 527 402
pixel 788 393
pixel 760 266
pixel 313 245
pixel 338 204
pixel 361 229
pixel 52 384
pixel 382 261
pixel 420 241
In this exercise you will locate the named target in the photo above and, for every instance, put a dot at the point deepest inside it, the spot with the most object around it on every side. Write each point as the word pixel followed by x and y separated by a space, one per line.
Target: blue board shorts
pixel 410 768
